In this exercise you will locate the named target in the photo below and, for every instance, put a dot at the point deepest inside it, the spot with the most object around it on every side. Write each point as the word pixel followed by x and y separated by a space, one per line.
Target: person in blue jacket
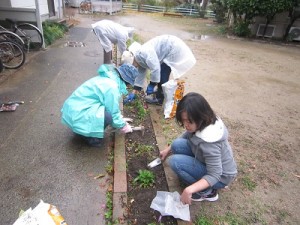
pixel 95 104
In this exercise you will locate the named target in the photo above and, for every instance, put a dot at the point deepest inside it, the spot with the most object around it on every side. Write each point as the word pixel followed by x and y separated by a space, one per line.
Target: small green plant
pixel 144 149
pixel 141 111
pixel 109 166
pixel 145 179
pixel 109 206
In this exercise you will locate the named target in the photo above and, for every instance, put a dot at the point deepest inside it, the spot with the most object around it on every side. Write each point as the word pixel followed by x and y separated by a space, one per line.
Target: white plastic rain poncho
pixel 165 48
pixel 109 32
pixel 83 111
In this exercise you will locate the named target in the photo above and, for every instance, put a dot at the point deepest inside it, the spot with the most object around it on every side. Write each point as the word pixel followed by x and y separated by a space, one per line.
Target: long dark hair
pixel 198 111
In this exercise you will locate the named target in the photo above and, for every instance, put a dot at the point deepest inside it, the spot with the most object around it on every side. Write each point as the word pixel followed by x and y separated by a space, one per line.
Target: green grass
pixel 228 219
pixel 248 182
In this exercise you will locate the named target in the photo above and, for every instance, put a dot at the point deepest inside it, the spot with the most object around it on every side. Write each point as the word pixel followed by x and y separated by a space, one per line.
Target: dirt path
pixel 255 87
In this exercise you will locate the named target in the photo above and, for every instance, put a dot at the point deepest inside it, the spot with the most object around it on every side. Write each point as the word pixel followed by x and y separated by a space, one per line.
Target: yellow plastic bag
pixel 173 92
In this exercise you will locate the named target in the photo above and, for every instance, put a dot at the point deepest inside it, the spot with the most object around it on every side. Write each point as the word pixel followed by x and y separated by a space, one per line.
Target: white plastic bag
pixel 173 92
pixel 169 204
pixel 42 214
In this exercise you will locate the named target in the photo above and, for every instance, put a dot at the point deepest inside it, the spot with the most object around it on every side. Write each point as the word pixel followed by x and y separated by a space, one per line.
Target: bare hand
pixel 186 197
pixel 164 153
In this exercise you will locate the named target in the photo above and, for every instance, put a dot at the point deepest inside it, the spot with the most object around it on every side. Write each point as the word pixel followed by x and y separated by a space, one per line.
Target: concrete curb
pixel 120 179
pixel 172 180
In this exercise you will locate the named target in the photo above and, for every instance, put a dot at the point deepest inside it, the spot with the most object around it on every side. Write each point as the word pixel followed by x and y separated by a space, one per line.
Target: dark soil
pixel 139 199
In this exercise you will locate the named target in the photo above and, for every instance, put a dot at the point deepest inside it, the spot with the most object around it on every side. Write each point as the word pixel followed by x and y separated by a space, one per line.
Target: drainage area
pixel 75 44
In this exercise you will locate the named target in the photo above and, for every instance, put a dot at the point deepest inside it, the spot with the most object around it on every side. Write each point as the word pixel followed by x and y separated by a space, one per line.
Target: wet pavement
pixel 40 158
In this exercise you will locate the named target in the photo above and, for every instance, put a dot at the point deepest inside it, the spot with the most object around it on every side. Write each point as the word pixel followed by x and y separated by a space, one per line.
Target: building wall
pixel 280 22
pixel 5 3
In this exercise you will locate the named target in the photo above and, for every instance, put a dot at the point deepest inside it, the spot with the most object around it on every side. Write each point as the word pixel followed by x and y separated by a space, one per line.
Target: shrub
pixel 53 31
pixel 241 29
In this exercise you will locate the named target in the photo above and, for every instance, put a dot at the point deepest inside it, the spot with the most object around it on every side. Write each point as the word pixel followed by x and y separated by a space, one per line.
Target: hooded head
pixel 130 31
pixel 128 73
pixel 127 57
pixel 134 47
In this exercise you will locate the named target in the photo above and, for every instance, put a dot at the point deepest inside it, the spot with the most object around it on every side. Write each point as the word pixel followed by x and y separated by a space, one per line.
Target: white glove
pixel 128 119
pixel 126 129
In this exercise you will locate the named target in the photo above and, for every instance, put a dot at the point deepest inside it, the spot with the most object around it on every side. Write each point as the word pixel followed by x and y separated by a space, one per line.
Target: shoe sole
pixel 207 199
pixel 153 103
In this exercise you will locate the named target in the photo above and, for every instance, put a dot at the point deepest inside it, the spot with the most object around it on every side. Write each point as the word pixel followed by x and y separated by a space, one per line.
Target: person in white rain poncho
pixel 161 55
pixel 109 33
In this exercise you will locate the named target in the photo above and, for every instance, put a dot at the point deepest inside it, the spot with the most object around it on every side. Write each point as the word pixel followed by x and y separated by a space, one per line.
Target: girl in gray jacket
pixel 201 157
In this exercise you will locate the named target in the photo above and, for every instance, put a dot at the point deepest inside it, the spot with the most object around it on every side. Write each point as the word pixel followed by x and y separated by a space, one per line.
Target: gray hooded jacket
pixel 211 147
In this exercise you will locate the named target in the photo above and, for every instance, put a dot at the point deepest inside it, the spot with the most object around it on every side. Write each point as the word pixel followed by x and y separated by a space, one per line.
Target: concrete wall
pixel 5 3
pixel 17 5
pixel 280 22
pixel 19 14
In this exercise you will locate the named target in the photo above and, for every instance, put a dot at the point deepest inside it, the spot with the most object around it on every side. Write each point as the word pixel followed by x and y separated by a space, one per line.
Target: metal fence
pixel 161 9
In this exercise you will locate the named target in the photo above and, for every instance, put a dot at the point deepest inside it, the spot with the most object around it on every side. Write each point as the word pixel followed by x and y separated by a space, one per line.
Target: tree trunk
pixel 204 4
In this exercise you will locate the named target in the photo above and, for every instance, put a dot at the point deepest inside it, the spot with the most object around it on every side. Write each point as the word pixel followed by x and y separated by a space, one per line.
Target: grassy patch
pixel 248 183
pixel 229 219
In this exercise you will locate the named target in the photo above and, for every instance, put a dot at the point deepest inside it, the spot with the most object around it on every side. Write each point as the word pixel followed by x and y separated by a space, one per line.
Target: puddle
pixel 201 37
pixel 93 53
pixel 74 44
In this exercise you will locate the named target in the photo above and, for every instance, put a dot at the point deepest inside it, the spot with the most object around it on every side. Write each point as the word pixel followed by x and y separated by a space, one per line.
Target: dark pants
pixel 107 57
pixel 165 72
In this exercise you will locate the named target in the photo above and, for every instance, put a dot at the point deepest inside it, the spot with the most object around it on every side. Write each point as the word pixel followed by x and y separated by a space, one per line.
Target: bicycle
pixel 1 66
pixel 30 34
pixel 12 54
pixel 10 36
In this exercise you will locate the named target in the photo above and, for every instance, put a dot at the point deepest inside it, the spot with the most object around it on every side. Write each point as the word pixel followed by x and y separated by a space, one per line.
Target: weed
pixel 141 111
pixel 145 179
pixel 109 166
pixel 109 206
pixel 144 149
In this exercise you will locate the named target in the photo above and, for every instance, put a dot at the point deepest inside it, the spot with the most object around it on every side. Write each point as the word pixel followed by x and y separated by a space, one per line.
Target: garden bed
pixel 141 150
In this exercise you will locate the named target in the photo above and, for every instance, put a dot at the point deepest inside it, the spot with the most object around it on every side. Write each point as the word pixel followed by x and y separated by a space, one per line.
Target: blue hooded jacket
pixel 83 111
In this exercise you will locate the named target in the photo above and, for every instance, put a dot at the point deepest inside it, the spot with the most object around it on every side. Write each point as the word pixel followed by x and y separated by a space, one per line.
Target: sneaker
pixel 153 100
pixel 213 196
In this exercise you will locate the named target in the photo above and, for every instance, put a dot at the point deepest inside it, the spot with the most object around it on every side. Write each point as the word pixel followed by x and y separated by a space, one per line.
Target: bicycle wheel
pixel 1 66
pixel 12 54
pixel 31 36
pixel 10 36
